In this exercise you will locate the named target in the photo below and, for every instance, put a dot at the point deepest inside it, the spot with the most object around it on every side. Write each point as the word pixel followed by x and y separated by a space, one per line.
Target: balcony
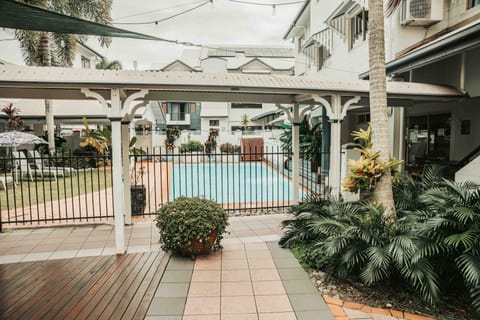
pixel 178 118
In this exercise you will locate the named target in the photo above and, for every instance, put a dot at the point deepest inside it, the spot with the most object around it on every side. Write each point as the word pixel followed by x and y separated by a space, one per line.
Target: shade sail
pixel 16 15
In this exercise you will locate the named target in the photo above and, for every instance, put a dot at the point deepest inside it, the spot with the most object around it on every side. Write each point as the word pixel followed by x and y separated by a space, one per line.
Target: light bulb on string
pixel 273 9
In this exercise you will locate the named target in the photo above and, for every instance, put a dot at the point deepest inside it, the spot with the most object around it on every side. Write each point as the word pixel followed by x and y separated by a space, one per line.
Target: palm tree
pixel 244 122
pixel 383 193
pixel 54 49
pixel 106 64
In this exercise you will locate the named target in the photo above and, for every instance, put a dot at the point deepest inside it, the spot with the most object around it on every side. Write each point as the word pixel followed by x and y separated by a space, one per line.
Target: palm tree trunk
pixel 49 110
pixel 383 193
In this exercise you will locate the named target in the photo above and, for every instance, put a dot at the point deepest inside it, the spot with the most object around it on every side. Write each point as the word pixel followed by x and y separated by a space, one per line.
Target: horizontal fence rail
pixel 65 187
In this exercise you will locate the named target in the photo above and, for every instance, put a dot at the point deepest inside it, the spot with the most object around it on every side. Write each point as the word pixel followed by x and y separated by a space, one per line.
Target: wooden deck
pixel 105 287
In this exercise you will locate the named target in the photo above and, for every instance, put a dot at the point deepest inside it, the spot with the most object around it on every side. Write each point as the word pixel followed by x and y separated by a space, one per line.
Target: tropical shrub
pixel 191 146
pixel 226 148
pixel 172 135
pixel 187 221
pixel 434 246
pixel 365 172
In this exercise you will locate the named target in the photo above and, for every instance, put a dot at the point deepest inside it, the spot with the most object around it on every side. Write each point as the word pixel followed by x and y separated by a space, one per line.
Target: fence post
pixel 296 153
pixel 126 172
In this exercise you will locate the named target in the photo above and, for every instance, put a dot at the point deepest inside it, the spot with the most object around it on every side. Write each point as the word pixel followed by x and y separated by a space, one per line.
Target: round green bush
pixel 191 146
pixel 188 220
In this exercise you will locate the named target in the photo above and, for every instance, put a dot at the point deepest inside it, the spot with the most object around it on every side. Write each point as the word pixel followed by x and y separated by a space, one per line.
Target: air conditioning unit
pixel 421 12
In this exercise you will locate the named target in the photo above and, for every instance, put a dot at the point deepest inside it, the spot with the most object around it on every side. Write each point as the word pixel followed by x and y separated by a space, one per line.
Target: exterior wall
pixel 405 36
pixel 82 51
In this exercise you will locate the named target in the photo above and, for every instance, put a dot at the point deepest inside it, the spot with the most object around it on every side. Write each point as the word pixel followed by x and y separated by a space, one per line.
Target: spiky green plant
pixel 450 234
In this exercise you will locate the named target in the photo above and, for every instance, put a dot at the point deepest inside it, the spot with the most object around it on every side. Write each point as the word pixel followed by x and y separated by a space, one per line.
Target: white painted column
pixel 335 146
pixel 117 172
pixel 126 172
pixel 296 153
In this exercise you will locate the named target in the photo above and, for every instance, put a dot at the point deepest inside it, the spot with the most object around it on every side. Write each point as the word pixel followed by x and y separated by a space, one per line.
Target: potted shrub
pixel 191 226
pixel 138 192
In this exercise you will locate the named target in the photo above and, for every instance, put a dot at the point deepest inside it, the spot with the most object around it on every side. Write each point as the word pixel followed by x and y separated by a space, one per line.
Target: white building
pixel 431 41
pixel 227 117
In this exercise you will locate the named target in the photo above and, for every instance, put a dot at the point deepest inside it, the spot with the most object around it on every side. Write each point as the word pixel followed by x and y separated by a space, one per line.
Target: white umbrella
pixel 16 138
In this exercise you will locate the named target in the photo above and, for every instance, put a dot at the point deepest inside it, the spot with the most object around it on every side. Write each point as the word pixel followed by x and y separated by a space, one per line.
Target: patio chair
pixel 42 163
pixel 5 179
pixel 25 168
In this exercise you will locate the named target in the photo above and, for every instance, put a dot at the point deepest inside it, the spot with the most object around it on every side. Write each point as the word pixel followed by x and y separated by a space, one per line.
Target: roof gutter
pixel 297 17
pixel 453 44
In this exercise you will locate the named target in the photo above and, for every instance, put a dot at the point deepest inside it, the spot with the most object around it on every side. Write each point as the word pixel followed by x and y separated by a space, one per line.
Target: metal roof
pixel 64 83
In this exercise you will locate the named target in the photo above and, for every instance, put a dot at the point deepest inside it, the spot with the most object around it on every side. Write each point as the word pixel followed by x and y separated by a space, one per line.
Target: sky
pixel 223 22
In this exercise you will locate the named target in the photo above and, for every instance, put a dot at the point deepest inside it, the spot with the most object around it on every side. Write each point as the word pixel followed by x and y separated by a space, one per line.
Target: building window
pixel 358 28
pixel 246 106
pixel 85 62
pixel 214 123
pixel 177 111
pixel 472 3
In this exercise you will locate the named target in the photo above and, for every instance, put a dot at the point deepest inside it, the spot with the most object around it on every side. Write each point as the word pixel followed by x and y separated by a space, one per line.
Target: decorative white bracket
pixel 126 105
pixel 337 112
pixel 92 94
pixel 129 117
pixel 287 112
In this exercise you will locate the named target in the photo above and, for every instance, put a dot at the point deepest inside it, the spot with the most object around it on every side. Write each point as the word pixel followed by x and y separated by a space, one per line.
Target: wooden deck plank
pixel 30 307
pixel 100 296
pixel 81 300
pixel 134 312
pixel 72 289
pixel 129 288
pixel 29 285
pixel 108 286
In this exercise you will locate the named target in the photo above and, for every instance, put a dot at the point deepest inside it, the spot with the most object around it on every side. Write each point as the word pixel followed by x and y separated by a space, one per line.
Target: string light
pixel 167 18
pixel 158 10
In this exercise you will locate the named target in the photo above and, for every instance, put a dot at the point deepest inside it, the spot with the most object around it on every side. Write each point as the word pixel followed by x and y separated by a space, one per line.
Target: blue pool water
pixel 229 183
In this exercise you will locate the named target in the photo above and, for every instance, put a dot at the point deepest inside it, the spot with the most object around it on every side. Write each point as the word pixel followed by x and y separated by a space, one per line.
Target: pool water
pixel 229 183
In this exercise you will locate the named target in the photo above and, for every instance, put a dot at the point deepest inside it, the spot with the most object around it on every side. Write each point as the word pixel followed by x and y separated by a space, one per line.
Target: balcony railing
pixel 179 118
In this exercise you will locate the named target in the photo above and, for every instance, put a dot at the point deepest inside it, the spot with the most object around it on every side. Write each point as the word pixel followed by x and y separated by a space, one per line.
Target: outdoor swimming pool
pixel 243 182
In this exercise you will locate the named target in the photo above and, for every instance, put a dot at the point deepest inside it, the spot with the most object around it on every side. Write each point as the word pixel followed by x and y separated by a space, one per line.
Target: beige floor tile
pixel 240 316
pixel 261 263
pixel 234 254
pixel 277 316
pixel 242 304
pixel 264 275
pixel 256 246
pixel 204 289
pixel 234 264
pixel 240 288
pixel 202 317
pixel 235 275
pixel 261 288
pixel 206 276
pixel 207 264
pixel 258 254
pixel 202 306
pixel 273 303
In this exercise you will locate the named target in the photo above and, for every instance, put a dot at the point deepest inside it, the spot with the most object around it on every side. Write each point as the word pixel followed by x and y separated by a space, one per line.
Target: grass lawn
pixel 29 193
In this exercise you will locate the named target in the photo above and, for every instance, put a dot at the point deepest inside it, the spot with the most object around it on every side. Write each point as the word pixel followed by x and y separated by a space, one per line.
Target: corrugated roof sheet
pixel 57 79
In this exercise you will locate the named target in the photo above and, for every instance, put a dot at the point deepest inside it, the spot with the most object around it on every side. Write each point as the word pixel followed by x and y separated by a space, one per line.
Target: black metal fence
pixel 66 187
pixel 251 181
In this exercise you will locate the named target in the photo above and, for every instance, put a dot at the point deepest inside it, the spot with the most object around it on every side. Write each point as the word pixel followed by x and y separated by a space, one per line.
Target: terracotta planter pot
pixel 201 247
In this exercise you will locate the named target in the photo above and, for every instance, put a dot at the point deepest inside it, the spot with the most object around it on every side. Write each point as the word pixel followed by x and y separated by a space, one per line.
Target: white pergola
pixel 120 93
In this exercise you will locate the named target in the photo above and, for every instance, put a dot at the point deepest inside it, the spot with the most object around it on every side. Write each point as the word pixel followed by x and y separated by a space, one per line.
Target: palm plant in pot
pixel 191 226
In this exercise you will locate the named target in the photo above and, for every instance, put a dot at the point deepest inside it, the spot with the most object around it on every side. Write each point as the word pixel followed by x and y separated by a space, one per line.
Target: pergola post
pixel 117 172
pixel 335 146
pixel 126 171
pixel 336 112
pixel 296 152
